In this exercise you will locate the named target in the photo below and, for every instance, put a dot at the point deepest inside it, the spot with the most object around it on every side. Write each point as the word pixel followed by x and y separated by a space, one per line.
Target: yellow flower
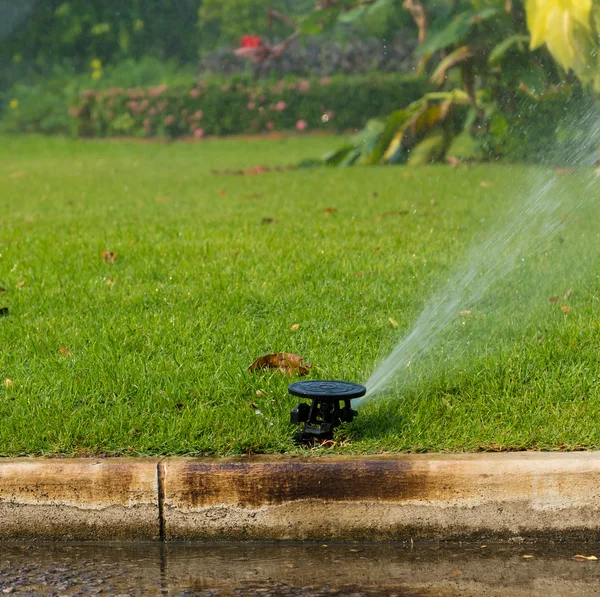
pixel 96 64
pixel 96 74
pixel 565 27
pixel 14 103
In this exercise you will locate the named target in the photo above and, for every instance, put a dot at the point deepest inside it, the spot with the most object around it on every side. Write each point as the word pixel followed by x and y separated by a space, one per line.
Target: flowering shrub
pixel 241 106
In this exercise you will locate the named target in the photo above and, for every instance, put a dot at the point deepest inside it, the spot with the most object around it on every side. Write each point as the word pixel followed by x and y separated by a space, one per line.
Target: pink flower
pixel 301 125
pixel 325 81
pixel 270 125
pixel 75 112
pixel 198 114
pixel 156 91
pixel 280 106
pixel 199 133
pixel 153 111
pixel 169 120
pixel 250 105
pixel 303 86
pixel 131 104
pixel 195 93
pixel 292 86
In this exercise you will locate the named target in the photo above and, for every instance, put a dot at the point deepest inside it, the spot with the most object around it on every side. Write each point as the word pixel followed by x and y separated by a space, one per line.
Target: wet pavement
pixel 302 570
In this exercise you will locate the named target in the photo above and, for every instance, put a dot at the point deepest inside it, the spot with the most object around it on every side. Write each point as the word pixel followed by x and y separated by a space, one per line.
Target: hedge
pixel 237 106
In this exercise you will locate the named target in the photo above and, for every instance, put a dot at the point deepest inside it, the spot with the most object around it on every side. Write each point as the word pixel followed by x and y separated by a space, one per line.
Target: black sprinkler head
pixel 330 406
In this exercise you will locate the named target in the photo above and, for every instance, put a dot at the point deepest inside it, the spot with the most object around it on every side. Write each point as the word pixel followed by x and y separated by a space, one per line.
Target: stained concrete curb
pixel 467 496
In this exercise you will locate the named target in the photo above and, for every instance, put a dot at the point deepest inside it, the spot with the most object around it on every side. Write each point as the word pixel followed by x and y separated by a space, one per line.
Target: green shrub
pixel 42 103
pixel 218 107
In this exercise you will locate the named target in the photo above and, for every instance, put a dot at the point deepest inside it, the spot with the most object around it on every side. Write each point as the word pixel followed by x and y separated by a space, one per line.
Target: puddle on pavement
pixel 303 570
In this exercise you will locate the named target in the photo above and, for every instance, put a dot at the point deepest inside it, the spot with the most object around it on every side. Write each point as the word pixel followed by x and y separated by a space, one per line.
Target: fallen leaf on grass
pixel 564 171
pixel 222 192
pixel 2 289
pixel 260 393
pixel 582 557
pixel 453 161
pixel 295 326
pixel 256 170
pixel 109 256
pixel 393 322
pixel 64 351
pixel 464 313
pixel 9 383
pixel 565 309
pixel 21 174
pixel 527 557
pixel 3 311
pixel 567 294
pixel 485 184
pixel 286 362
pixel 359 274
pixel 20 284
pixel 330 210
pixel 553 299
pixel 268 221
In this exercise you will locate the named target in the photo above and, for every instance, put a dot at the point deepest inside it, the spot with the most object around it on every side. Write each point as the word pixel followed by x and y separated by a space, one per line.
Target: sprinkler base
pixel 329 407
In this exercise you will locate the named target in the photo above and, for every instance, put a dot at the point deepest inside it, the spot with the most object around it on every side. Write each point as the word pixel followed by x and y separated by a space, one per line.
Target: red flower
pixel 251 41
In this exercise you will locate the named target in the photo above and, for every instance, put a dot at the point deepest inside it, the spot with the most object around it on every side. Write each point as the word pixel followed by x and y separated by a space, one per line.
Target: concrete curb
pixel 466 496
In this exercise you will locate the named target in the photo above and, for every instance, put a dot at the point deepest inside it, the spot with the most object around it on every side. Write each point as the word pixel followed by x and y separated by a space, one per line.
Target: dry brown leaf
pixel 2 289
pixel 457 571
pixel 453 161
pixel 109 256
pixel 64 351
pixel 110 282
pixel 565 309
pixel 527 557
pixel 330 210
pixel 485 184
pixel 9 383
pixel 553 299
pixel 20 284
pixel 464 313
pixel 588 558
pixel 21 174
pixel 284 361
pixel 359 274
pixel 295 326
pixel 268 220
pixel 567 294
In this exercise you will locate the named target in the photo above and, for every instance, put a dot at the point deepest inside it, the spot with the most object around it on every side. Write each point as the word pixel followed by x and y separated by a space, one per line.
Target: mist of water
pixel 532 223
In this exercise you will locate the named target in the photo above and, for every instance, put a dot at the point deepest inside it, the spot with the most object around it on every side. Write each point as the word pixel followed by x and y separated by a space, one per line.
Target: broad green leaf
pixel 353 15
pixel 393 123
pixel 500 50
pixel 431 149
pixel 333 158
pixel 456 31
pixel 449 62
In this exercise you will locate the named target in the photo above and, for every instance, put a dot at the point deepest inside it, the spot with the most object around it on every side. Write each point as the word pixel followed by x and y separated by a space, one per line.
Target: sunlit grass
pixel 149 355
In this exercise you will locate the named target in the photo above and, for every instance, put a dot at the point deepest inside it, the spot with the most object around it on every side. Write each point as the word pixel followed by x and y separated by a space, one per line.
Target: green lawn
pixel 150 354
